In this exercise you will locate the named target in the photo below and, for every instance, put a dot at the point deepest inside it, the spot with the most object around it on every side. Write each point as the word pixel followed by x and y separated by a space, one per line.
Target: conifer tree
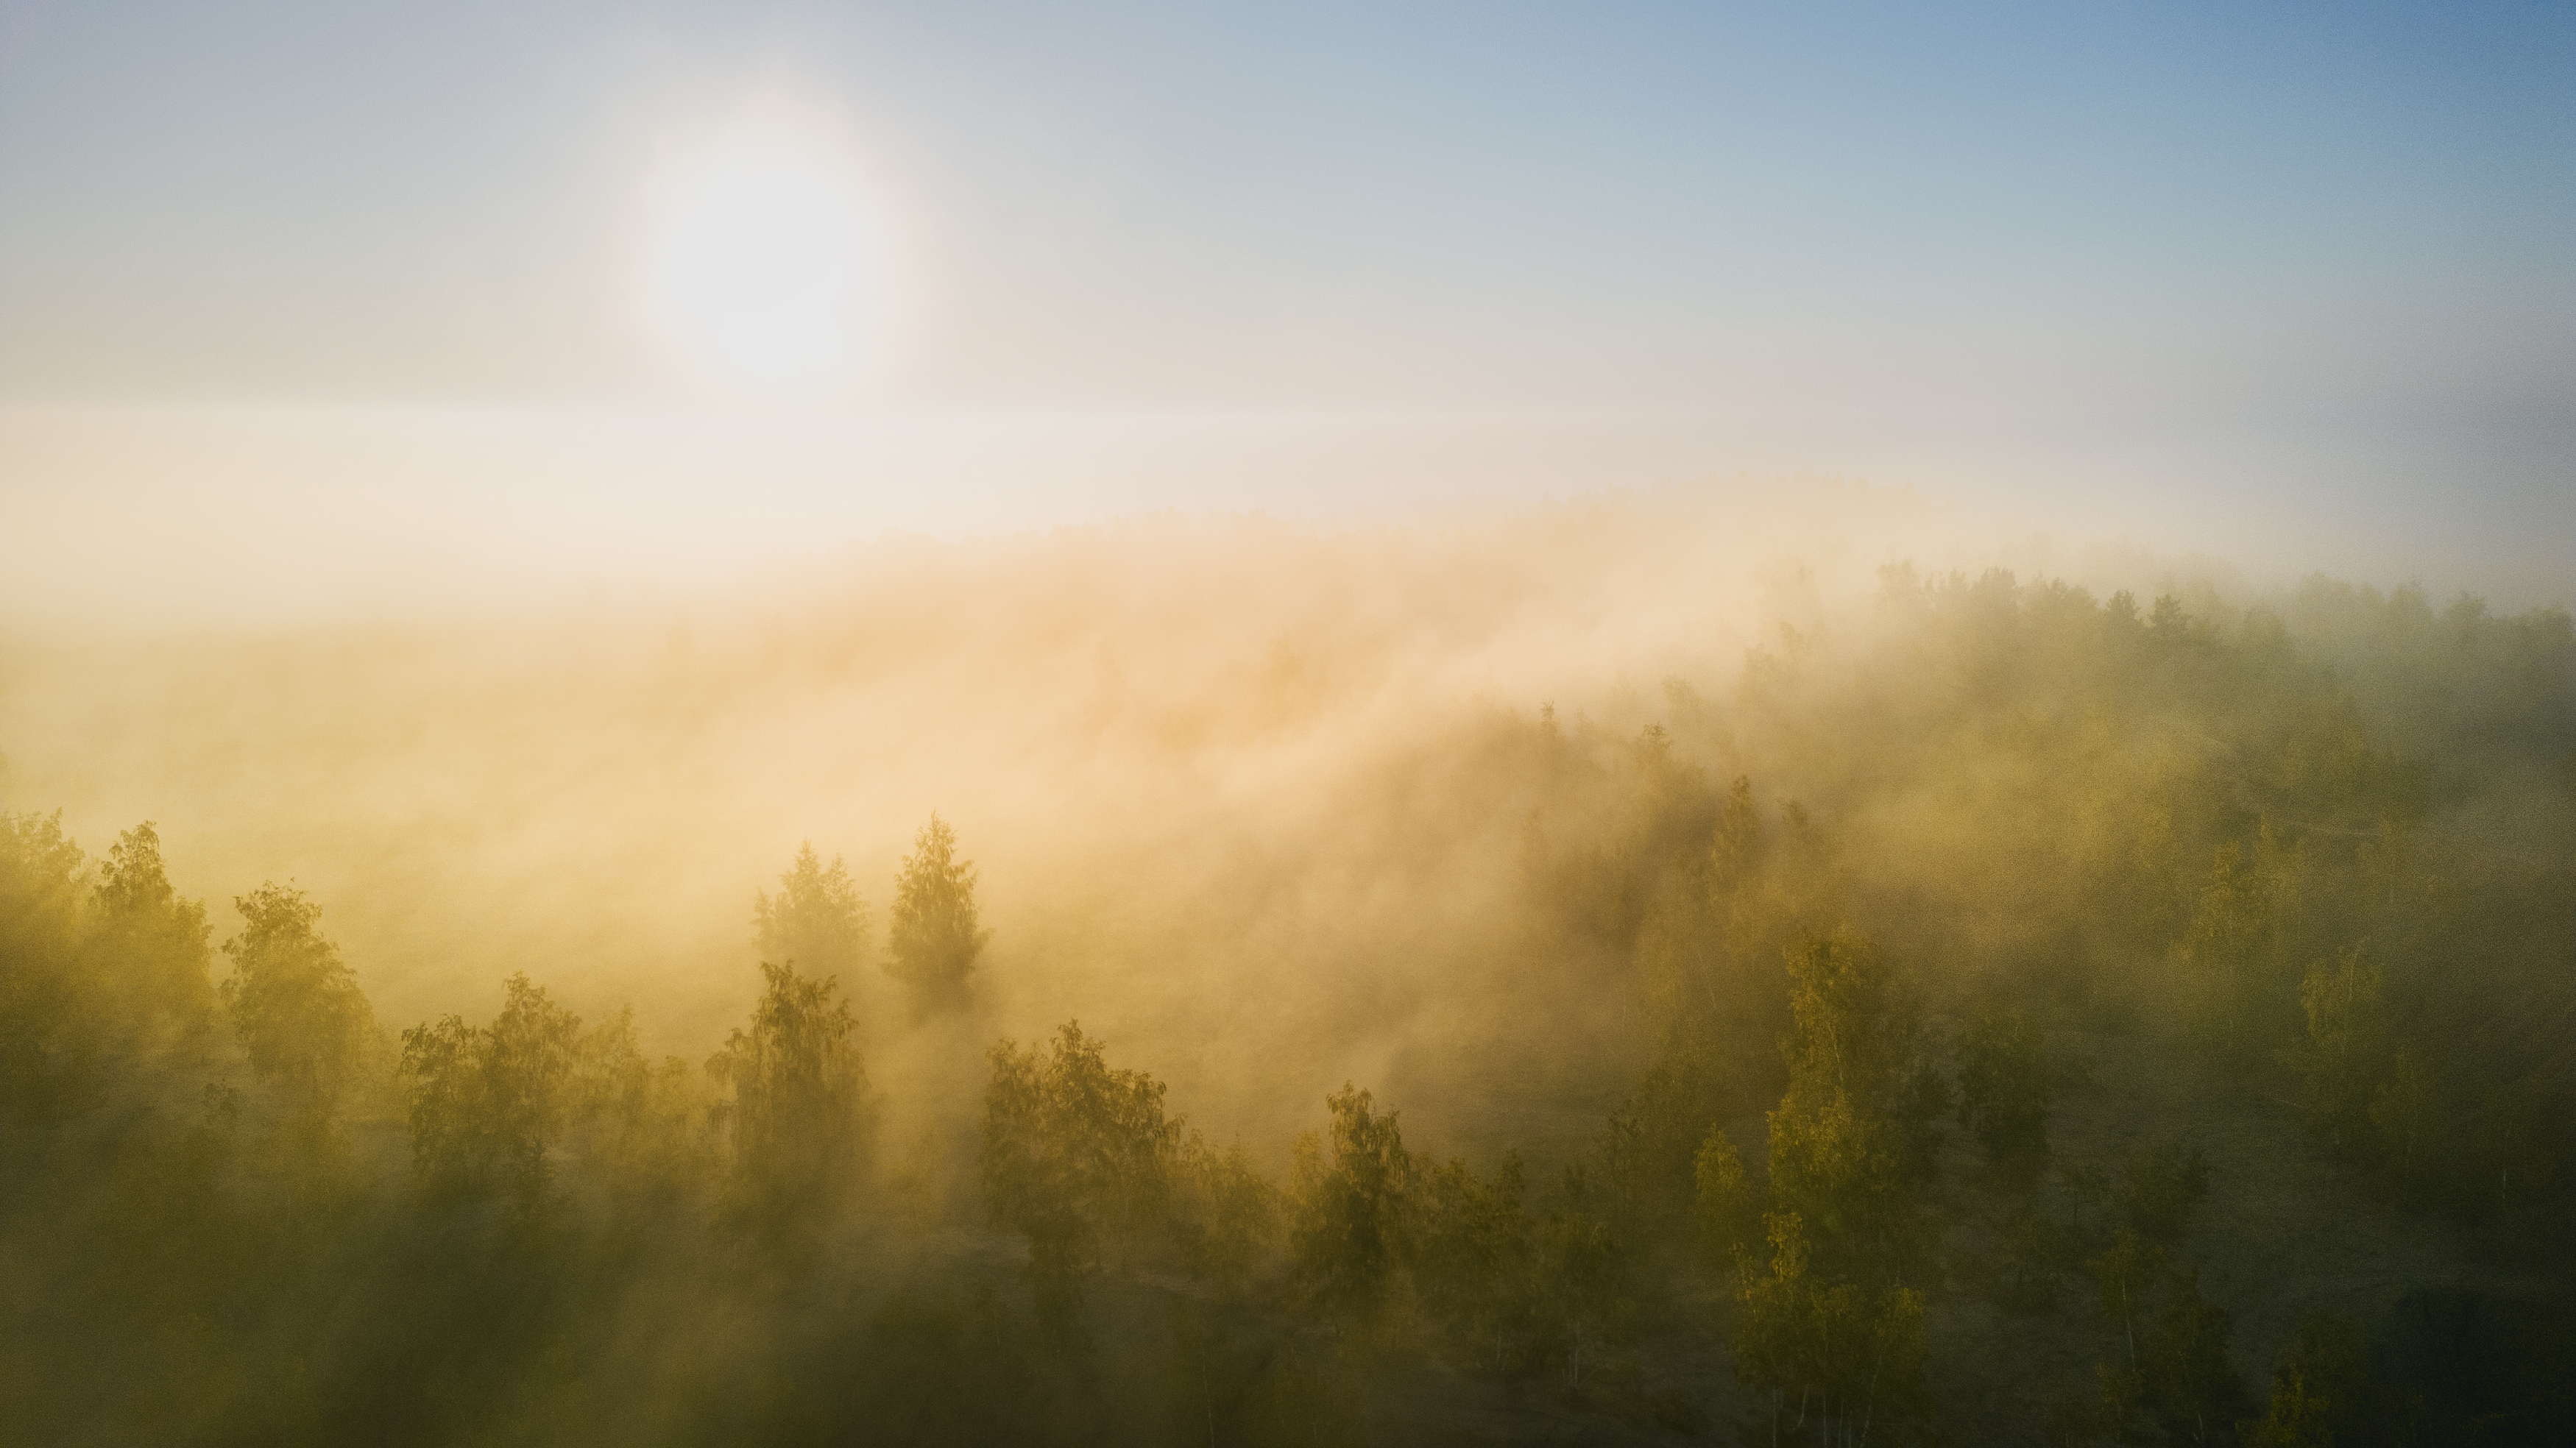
pixel 817 920
pixel 937 933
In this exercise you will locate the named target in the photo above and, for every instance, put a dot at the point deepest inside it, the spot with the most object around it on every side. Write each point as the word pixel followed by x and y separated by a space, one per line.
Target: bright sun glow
pixel 766 269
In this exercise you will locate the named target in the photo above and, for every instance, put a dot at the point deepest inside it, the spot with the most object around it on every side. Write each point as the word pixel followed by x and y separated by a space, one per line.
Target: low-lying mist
pixel 1234 787
pixel 1526 823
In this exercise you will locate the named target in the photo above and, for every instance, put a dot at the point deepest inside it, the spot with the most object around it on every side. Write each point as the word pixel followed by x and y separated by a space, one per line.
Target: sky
pixel 2292 282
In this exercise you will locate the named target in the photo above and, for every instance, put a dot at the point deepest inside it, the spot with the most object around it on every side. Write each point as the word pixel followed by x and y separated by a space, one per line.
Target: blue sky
pixel 2311 257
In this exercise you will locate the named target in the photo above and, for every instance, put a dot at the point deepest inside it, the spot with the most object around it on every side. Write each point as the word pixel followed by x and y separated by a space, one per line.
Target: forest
pixel 1981 1010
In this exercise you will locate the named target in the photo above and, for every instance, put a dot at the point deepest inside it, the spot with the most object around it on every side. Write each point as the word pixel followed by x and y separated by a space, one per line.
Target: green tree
pixel 1354 1209
pixel 49 1041
pixel 488 1103
pixel 2232 953
pixel 2346 1053
pixel 1727 1211
pixel 1230 1217
pixel 2322 1391
pixel 2123 1275
pixel 2296 1417
pixel 1304 1397
pixel 1860 1031
pixel 1078 1158
pixel 2162 1183
pixel 1850 1358
pixel 816 920
pixel 2005 1089
pixel 96 973
pixel 2036 1249
pixel 295 1005
pixel 1774 1298
pixel 154 941
pixel 638 1125
pixel 2191 1387
pixel 1644 1158
pixel 937 933
pixel 799 1090
pixel 1851 1138
pixel 1736 853
pixel 1582 1272
pixel 1473 1256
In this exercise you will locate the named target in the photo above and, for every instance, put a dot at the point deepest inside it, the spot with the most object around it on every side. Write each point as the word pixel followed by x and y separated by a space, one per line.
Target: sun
pixel 766 269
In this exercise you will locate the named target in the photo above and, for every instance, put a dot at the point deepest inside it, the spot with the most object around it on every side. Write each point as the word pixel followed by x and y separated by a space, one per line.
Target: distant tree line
pixel 2156 839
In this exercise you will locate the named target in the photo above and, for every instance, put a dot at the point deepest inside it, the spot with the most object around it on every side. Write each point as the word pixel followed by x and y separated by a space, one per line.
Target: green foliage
pixel 817 919
pixel 1354 1209
pixel 1306 1396
pixel 1735 854
pixel 1726 1209
pixel 2162 1183
pixel 2234 957
pixel 2174 1366
pixel 2036 1250
pixel 1078 1158
pixel 488 1103
pixel 639 1126
pixel 796 1115
pixel 153 944
pixel 1643 1160
pixel 2014 784
pixel 1852 1138
pixel 2295 1417
pixel 1582 1273
pixel 2122 1276
pixel 1860 1034
pixel 2005 1089
pixel 93 972
pixel 1833 1319
pixel 2348 1046
pixel 937 933
pixel 2191 1388
pixel 294 1003
pixel 951 1371
pixel 1231 1219
pixel 1473 1258
pixel 2322 1393
pixel 48 1051
pixel 1851 1358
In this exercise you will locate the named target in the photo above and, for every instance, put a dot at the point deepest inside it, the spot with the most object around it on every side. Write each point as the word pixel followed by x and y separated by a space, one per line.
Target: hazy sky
pixel 2210 276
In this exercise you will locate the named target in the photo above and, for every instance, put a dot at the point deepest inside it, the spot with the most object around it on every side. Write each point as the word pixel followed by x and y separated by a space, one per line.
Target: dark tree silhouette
pixel 937 933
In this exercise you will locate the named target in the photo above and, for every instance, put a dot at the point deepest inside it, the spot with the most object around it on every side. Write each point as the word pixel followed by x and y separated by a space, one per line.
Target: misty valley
pixel 1199 984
